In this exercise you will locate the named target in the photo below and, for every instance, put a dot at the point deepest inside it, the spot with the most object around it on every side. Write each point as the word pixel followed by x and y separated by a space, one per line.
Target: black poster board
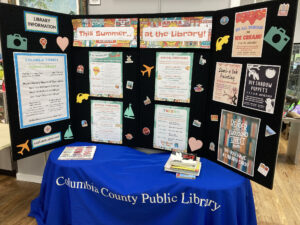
pixel 267 146
pixel 216 112
pixel 12 23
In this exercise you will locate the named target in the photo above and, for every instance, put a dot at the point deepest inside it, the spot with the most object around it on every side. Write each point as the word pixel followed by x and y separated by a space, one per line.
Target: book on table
pixel 183 163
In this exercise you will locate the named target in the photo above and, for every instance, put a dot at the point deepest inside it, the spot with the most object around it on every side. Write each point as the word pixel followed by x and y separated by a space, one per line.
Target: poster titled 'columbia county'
pixel 238 140
pixel 261 87
pixel 249 31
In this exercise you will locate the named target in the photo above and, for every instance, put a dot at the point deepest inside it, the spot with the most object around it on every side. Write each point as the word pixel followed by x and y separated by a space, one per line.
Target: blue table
pixel 124 186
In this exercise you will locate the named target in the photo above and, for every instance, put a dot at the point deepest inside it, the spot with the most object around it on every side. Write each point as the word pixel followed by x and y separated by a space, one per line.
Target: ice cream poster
pixel 121 32
pixel 227 83
pixel 176 32
pixel 238 141
pixel 249 31
pixel 260 87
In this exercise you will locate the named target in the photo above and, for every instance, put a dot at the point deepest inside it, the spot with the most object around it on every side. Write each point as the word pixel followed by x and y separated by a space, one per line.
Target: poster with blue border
pixel 42 88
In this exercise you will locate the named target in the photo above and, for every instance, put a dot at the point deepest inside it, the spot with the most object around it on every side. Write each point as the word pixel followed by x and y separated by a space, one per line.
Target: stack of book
pixel 185 165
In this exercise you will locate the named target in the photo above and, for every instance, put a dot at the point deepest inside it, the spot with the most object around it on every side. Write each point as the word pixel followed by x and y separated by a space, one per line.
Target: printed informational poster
pixel 106 76
pixel 119 32
pixel 42 88
pixel 238 141
pixel 173 76
pixel 227 83
pixel 261 87
pixel 249 29
pixel 106 121
pixel 171 125
pixel 176 32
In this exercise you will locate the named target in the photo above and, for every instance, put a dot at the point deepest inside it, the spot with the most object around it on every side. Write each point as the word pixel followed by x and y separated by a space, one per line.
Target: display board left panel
pixel 36 49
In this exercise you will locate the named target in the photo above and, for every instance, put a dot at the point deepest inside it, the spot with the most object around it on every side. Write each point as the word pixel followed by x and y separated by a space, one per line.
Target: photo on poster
pixel 71 7
pixel 42 88
pixel 105 32
pixel 106 121
pixel 227 83
pixel 249 29
pixel 173 76
pixel 171 126
pixel 106 74
pixel 176 32
pixel 238 136
pixel 260 87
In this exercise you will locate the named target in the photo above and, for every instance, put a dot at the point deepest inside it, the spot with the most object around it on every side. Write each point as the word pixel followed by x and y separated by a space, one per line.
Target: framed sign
pixel 72 7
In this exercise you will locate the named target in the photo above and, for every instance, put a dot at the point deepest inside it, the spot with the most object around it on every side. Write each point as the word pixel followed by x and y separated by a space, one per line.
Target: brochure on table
pixel 201 82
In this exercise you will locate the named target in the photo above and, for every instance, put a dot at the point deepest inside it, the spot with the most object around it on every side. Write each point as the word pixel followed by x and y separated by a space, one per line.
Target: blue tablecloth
pixel 124 186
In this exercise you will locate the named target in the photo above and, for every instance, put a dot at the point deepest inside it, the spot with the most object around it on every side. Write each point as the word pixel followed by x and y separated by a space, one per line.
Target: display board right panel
pixel 251 49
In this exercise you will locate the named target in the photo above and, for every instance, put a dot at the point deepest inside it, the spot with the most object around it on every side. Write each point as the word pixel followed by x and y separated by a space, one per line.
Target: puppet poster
pixel 227 83
pixel 261 87
pixel 121 32
pixel 176 32
pixel 238 141
pixel 249 31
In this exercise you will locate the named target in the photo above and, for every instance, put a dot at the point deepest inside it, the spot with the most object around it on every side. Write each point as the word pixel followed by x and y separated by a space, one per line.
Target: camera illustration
pixel 277 38
pixel 15 41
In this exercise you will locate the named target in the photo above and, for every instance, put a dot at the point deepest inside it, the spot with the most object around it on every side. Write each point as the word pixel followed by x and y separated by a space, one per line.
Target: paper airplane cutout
pixel 147 70
pixel 269 131
pixel 24 146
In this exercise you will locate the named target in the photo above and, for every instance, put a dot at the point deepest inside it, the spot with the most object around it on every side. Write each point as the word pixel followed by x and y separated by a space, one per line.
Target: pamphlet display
pixel 200 82
pixel 78 153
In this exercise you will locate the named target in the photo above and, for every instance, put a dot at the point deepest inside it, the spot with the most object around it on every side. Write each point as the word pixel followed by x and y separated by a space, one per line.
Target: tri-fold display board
pixel 212 83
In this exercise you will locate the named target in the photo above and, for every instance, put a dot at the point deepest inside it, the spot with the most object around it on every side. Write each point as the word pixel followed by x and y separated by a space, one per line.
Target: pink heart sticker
pixel 195 144
pixel 62 42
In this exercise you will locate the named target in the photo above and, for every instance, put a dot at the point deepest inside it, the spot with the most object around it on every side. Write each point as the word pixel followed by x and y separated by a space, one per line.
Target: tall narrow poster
pixel 227 83
pixel 106 121
pixel 106 74
pixel 249 29
pixel 238 141
pixel 171 125
pixel 108 32
pixel 173 76
pixel 260 87
pixel 176 32
pixel 42 88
